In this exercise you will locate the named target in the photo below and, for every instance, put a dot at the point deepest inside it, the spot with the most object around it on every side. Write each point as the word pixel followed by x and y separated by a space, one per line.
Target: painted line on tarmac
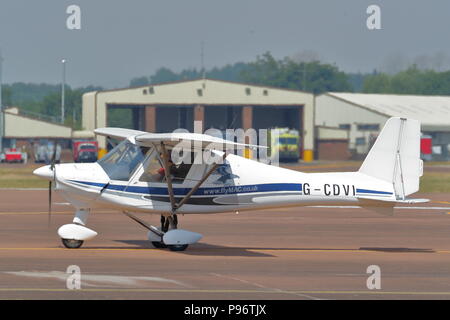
pixel 84 249
pixel 379 250
pixel 96 280
pixel 444 202
pixel 301 292
pixel 263 287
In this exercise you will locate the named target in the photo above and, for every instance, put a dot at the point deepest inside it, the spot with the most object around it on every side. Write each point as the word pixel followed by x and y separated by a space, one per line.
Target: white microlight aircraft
pixel 138 175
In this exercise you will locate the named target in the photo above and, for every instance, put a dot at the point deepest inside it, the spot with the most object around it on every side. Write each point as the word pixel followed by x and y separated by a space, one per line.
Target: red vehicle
pixel 85 151
pixel 12 155
pixel 426 148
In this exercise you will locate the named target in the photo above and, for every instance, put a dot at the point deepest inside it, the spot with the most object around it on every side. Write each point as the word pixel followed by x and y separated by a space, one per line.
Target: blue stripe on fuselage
pixel 215 190
pixel 201 191
pixel 372 191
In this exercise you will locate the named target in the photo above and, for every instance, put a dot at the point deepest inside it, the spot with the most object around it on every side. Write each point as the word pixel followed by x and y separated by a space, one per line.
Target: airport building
pixel 217 104
pixel 362 116
pixel 21 127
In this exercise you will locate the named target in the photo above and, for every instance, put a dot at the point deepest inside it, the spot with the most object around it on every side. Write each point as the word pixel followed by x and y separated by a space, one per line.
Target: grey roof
pixel 432 111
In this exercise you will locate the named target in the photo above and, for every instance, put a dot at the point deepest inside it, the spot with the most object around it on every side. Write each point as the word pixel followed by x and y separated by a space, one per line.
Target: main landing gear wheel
pixel 71 243
pixel 170 223
pixel 178 247
pixel 159 244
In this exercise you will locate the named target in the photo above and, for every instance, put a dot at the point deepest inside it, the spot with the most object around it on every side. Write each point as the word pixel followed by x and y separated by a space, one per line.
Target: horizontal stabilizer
pixel 408 201
pixel 411 201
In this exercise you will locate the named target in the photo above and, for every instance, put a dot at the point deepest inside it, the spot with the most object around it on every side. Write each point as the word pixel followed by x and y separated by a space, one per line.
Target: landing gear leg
pixel 169 223
pixel 160 244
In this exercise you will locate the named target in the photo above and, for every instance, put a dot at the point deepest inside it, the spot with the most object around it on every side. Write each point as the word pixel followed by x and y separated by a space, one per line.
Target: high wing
pixel 202 141
pixel 118 133
pixel 196 140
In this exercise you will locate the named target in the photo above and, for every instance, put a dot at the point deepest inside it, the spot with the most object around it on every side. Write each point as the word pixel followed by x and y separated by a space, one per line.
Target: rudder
pixel 395 156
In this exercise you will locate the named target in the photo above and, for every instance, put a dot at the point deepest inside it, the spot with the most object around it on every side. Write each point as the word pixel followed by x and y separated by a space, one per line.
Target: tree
pixel 377 83
pixel 164 75
pixel 312 76
pixel 6 96
pixel 264 71
pixel 410 81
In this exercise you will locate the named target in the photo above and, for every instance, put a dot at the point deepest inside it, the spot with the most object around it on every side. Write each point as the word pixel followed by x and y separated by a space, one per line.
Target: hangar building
pixel 217 104
pixel 363 116
pixel 20 127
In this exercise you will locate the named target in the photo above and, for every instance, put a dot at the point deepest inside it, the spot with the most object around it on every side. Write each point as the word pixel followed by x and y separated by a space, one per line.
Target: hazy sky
pixel 120 40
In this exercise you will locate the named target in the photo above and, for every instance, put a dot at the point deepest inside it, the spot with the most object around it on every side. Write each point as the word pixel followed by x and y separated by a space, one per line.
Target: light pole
pixel 63 86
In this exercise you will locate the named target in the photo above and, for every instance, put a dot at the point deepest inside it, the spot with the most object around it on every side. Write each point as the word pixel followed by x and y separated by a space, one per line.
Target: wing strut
pixel 165 157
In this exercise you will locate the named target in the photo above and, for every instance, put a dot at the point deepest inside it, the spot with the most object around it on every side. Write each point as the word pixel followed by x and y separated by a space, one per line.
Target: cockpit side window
pixel 121 161
pixel 154 169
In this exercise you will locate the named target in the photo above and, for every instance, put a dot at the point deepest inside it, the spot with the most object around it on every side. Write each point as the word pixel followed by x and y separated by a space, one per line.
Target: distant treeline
pixel 312 76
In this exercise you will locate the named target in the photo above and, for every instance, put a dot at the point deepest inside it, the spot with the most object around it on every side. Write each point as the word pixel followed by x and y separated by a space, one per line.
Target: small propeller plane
pixel 139 176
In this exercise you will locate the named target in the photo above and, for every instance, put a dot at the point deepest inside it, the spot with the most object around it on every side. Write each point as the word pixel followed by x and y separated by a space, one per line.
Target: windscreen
pixel 121 161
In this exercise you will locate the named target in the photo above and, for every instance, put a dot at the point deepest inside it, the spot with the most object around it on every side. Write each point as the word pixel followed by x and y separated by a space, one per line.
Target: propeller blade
pixel 52 167
pixel 55 145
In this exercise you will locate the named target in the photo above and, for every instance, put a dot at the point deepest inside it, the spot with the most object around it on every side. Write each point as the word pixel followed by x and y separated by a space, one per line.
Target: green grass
pixel 20 177
pixel 435 182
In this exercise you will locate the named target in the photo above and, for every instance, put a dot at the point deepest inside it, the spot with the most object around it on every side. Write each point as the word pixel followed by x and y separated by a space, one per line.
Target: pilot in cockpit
pixel 155 171
pixel 172 167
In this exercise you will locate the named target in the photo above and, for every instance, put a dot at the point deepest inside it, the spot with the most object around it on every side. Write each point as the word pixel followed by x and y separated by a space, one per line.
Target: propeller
pixel 52 168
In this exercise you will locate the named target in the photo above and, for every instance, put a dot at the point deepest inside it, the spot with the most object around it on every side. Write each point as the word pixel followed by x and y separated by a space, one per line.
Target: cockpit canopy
pixel 123 161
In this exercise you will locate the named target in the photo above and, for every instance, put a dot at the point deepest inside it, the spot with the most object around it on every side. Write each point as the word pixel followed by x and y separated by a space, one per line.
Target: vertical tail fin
pixel 395 156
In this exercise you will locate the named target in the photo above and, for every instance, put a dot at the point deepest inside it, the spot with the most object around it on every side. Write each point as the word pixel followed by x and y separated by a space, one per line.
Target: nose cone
pixel 44 172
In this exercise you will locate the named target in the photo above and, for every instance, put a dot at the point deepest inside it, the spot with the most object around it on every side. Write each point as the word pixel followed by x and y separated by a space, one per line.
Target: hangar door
pixel 266 117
